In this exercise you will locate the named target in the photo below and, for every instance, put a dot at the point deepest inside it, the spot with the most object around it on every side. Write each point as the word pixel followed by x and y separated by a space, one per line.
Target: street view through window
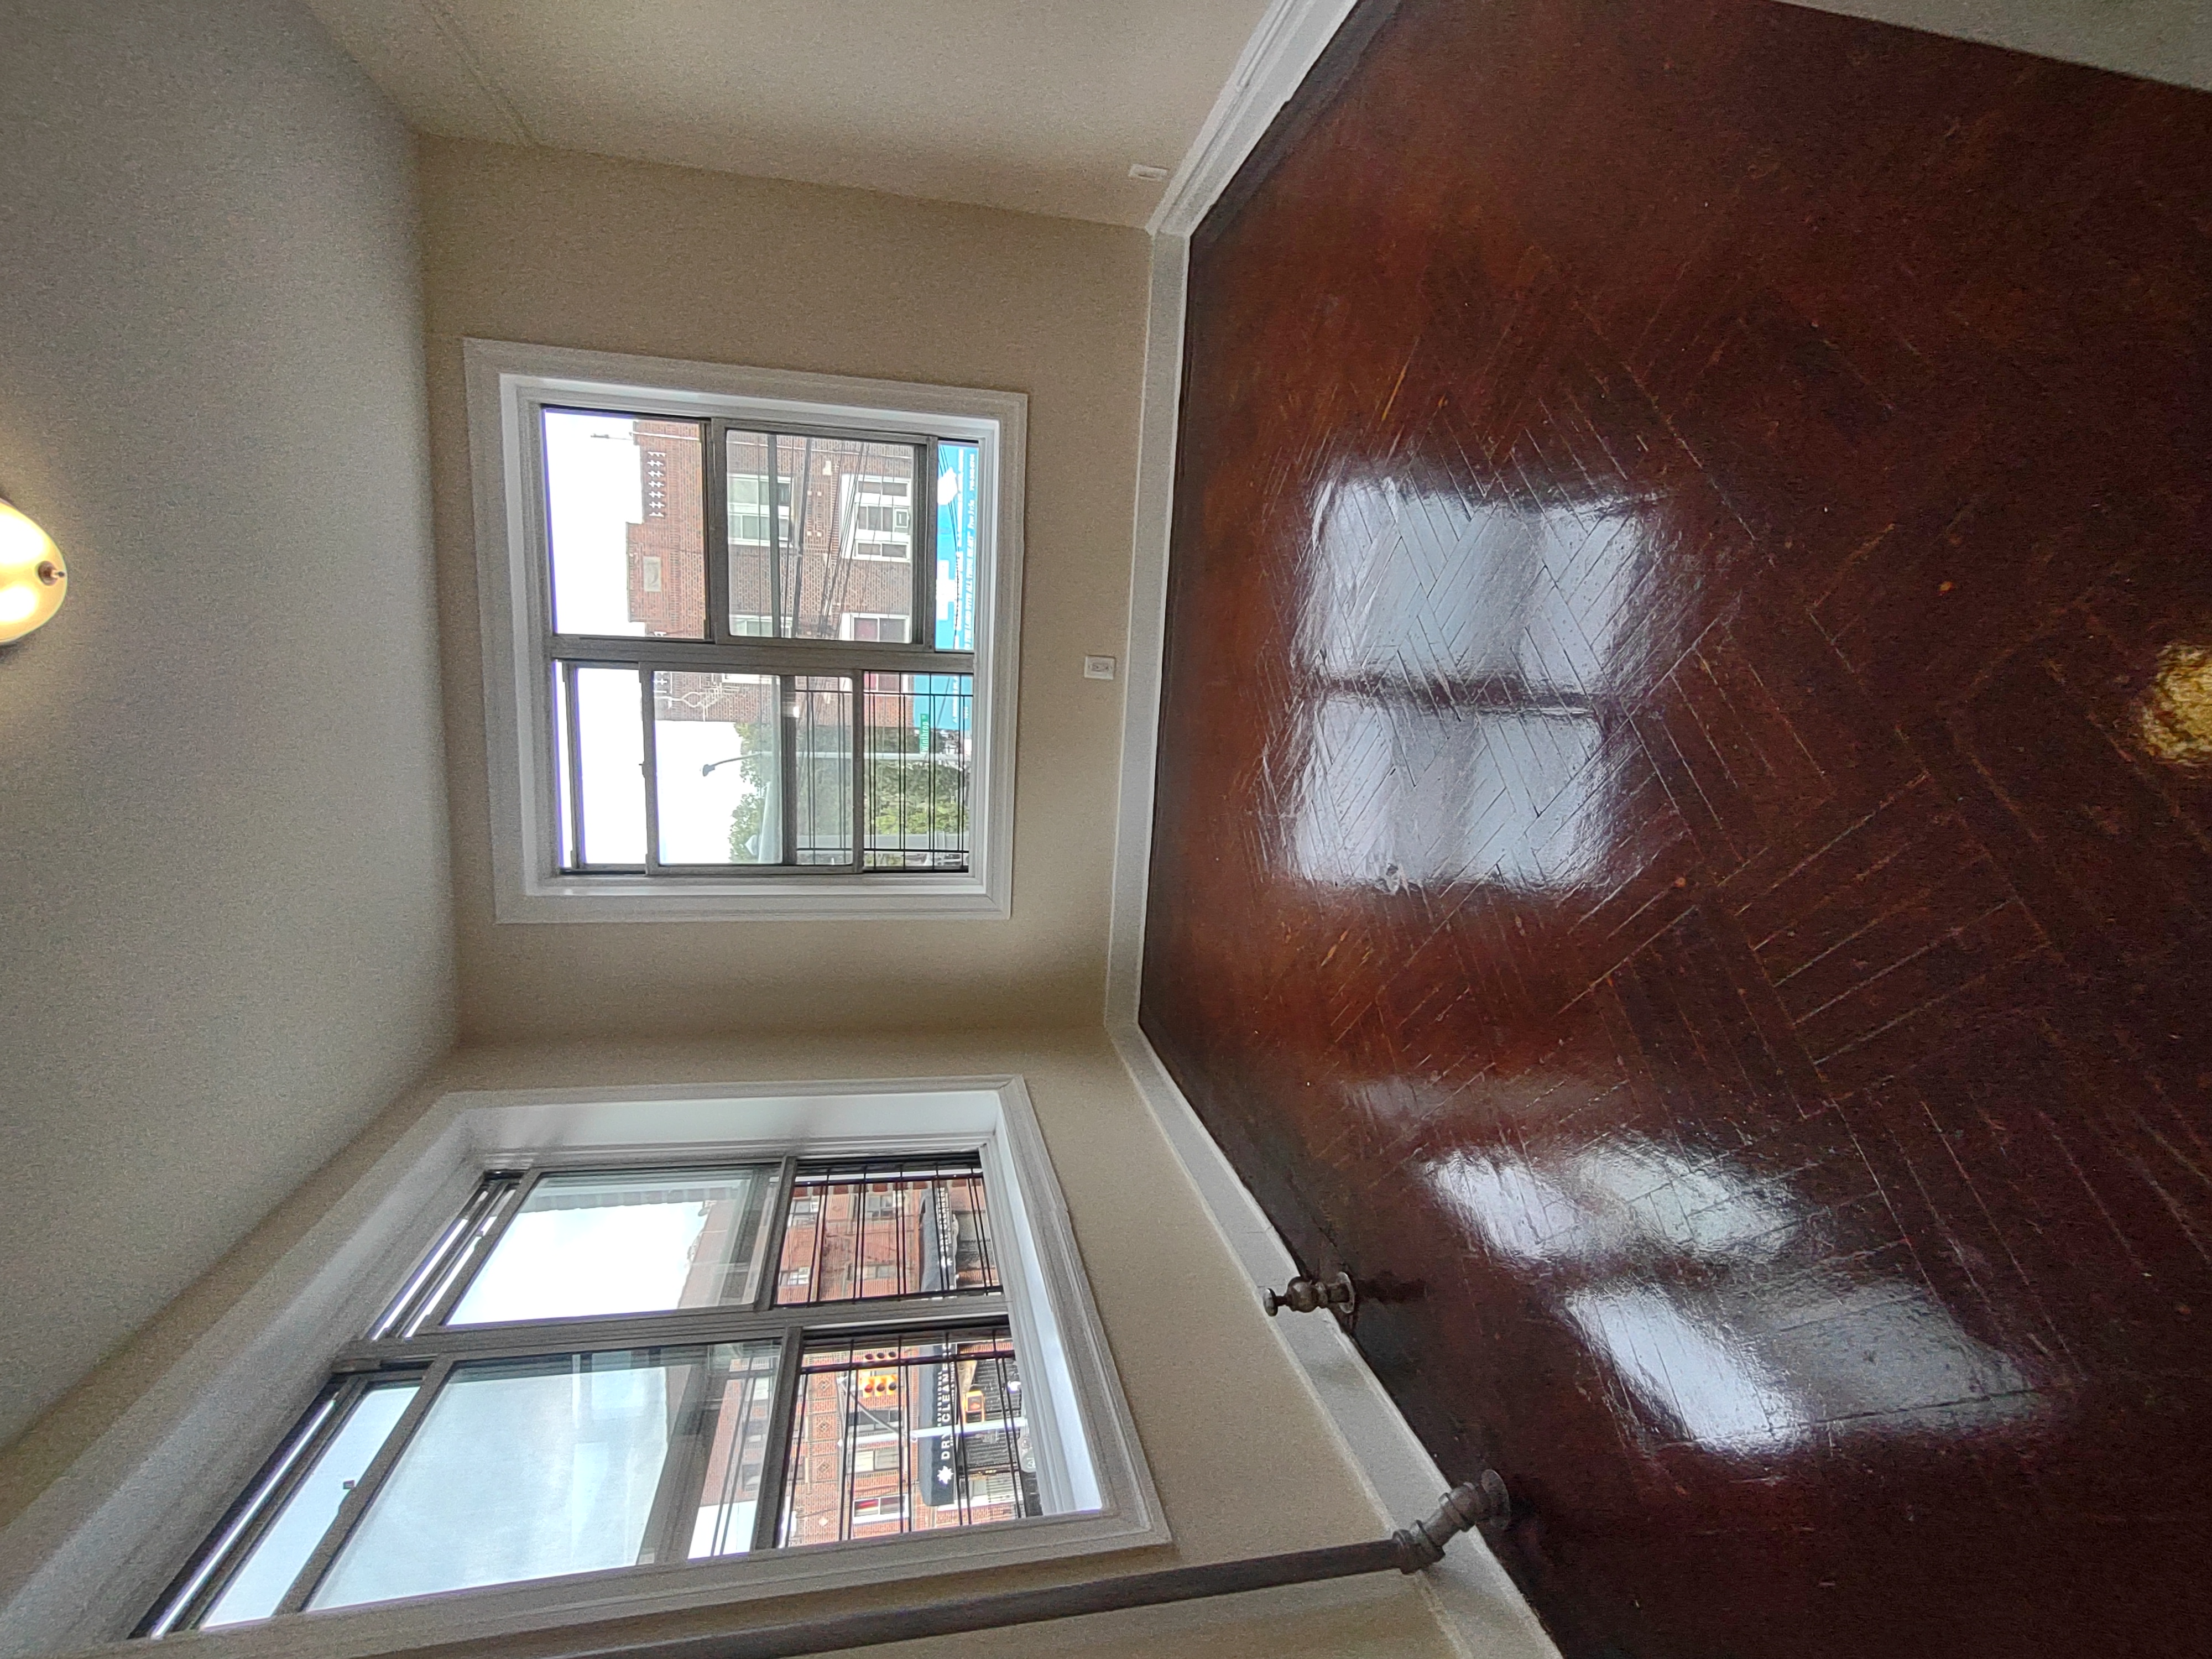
pixel 599 1368
pixel 812 708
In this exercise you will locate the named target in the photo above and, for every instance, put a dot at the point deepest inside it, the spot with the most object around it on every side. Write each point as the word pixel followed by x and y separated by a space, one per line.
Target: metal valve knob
pixel 1481 1501
pixel 1304 1295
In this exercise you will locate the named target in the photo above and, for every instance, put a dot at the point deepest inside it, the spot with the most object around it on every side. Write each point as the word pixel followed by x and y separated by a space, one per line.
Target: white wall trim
pixel 527 886
pixel 86 1559
pixel 1478 1605
pixel 1156 428
pixel 1290 36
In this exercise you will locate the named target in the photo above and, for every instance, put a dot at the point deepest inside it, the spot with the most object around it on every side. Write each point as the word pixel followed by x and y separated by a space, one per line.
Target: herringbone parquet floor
pixel 1683 855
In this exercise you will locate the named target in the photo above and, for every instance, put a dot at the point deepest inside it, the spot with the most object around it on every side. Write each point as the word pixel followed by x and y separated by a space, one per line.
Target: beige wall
pixel 2160 39
pixel 224 938
pixel 1242 1459
pixel 570 250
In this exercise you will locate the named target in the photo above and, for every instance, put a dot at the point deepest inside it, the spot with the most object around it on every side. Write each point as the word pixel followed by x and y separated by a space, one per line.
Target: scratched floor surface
pixel 1681 851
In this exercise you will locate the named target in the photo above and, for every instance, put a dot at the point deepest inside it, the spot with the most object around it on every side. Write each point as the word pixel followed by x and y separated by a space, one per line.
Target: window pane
pixel 740 1397
pixel 260 1584
pixel 822 741
pixel 907 1434
pixel 625 1242
pixel 623 509
pixel 524 1468
pixel 885 1227
pixel 610 737
pixel 716 765
pixel 919 740
pixel 843 522
pixel 752 601
pixel 958 501
pixel 563 798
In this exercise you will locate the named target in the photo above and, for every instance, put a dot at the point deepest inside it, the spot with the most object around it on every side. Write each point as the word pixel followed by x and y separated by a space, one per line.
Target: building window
pixel 556 1260
pixel 880 511
pixel 750 644
pixel 600 1368
pixel 865 625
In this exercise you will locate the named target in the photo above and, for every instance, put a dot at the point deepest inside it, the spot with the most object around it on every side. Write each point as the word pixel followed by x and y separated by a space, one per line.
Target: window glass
pixel 525 1454
pixel 625 530
pixel 524 1468
pixel 752 599
pixel 840 540
pixel 624 1242
pixel 259 1586
pixel 821 709
pixel 741 1397
pixel 907 1434
pixel 609 743
pixel 920 741
pixel 958 501
pixel 717 768
pixel 901 1227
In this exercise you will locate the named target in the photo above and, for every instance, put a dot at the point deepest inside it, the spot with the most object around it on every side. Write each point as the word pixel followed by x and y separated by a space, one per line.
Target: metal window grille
pixel 772 735
pixel 598 1368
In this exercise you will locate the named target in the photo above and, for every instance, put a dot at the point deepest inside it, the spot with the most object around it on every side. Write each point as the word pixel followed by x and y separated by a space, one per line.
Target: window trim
pixel 80 1566
pixel 504 377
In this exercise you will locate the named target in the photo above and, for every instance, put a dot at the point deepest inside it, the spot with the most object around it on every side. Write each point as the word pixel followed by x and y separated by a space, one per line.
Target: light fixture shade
pixel 33 581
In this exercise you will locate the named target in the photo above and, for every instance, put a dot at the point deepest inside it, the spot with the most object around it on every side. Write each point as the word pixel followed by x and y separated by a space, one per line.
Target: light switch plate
pixel 1099 668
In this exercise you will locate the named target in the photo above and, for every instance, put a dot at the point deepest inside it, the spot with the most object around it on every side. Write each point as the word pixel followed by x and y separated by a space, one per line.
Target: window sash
pixel 717 507
pixel 409 1340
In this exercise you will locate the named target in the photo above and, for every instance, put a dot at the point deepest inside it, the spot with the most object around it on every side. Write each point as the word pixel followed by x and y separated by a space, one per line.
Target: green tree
pixel 911 795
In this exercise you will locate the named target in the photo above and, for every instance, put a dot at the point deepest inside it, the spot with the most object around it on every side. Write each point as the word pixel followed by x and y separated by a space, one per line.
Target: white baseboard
pixel 1480 1606
pixel 1477 1603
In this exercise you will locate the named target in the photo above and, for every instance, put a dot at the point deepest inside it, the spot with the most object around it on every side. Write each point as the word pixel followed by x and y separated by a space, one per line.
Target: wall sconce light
pixel 33 581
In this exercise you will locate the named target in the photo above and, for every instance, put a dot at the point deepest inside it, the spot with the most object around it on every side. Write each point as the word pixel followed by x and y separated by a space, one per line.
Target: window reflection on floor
pixel 1458 657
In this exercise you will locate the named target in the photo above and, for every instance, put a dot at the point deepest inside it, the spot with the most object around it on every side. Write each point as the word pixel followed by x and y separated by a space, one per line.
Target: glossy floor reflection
pixel 1684 844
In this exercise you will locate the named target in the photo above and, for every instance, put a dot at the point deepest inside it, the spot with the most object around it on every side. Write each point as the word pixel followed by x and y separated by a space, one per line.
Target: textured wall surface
pixel 1682 836
pixel 574 250
pixel 225 938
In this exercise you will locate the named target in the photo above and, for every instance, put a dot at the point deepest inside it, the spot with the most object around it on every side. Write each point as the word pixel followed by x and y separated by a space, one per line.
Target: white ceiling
pixel 1037 104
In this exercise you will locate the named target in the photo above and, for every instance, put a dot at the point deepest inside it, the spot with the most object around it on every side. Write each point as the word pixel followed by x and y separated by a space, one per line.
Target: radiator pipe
pixel 1482 1502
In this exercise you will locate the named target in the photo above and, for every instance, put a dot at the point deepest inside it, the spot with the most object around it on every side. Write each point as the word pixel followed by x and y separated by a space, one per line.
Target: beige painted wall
pixel 570 250
pixel 2158 40
pixel 224 938
pixel 1242 1458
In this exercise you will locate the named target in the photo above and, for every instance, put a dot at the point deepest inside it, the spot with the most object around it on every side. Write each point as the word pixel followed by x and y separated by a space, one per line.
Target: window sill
pixel 899 897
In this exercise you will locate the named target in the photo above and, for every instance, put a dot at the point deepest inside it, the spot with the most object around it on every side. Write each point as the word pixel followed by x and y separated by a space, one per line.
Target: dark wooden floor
pixel 1682 841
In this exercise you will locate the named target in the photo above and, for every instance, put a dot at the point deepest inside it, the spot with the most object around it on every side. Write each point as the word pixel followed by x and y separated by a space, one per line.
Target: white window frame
pixel 505 381
pixel 84 1561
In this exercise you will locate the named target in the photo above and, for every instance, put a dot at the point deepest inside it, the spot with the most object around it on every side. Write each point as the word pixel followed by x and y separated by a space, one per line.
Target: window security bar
pixel 1482 1502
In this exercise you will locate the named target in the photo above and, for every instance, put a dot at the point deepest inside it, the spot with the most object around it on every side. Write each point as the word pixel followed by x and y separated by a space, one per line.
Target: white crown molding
pixel 1290 36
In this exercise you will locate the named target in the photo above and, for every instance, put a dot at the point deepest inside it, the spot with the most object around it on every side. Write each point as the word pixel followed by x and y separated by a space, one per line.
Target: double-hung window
pixel 600 1368
pixel 563 1355
pixel 748 638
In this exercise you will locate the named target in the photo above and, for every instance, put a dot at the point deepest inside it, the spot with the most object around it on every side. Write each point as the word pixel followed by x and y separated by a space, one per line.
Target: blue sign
pixel 957 466
pixel 942 702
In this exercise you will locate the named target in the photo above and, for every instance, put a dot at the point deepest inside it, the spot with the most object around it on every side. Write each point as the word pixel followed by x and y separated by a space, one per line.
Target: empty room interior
pixel 1196 827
